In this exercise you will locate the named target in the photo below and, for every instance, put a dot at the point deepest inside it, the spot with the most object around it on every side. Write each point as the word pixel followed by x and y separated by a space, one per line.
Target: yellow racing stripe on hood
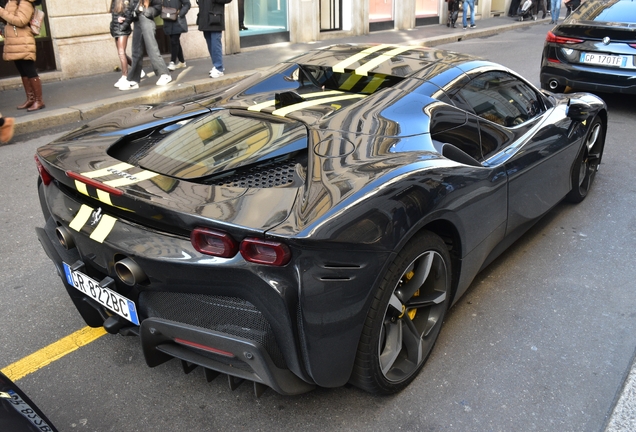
pixel 307 104
pixel 365 68
pixel 340 67
pixel 271 103
pixel 107 171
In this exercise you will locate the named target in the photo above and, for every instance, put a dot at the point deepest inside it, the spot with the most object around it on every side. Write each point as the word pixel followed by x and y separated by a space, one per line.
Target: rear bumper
pixel 246 359
pixel 162 340
pixel 585 77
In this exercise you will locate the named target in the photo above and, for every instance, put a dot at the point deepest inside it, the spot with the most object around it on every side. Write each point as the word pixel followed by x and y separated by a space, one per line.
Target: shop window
pixel 380 15
pixel 265 22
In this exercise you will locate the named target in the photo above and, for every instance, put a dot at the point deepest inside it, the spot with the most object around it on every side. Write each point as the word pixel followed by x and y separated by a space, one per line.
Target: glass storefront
pixel 380 15
pixel 264 22
pixel 380 10
pixel 424 8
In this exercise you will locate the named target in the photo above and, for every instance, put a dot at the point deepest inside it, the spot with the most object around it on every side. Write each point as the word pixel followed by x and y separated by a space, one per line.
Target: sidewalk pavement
pixel 80 99
pixel 85 98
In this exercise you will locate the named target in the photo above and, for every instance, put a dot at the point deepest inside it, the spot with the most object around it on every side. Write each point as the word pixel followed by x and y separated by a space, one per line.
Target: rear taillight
pixel 552 38
pixel 44 174
pixel 632 45
pixel 265 252
pixel 215 243
pixel 221 244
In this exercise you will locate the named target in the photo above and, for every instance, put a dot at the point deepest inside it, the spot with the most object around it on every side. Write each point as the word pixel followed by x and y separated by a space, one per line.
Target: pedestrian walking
pixel 468 3
pixel 144 31
pixel 540 5
pixel 120 28
pixel 555 11
pixel 6 129
pixel 211 21
pixel 453 11
pixel 19 47
pixel 174 28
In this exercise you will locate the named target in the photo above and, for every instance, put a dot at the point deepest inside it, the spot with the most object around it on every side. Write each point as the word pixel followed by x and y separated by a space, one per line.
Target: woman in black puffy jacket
pixel 120 29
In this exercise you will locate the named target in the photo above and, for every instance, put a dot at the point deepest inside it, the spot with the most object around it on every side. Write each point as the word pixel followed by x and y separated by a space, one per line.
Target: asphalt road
pixel 542 340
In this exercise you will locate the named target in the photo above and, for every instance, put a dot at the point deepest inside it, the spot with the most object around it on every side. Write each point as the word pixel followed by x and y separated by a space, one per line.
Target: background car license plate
pixel 108 298
pixel 603 59
pixel 25 409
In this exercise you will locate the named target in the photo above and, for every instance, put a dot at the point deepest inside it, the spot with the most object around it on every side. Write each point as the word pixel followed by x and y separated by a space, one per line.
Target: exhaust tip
pixel 64 237
pixel 553 84
pixel 129 272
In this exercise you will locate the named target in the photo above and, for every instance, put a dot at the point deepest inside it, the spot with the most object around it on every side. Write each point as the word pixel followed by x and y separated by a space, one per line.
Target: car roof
pixel 393 60
pixel 615 13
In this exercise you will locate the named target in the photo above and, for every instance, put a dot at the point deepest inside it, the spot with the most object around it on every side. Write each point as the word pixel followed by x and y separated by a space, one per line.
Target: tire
pixel 405 317
pixel 587 162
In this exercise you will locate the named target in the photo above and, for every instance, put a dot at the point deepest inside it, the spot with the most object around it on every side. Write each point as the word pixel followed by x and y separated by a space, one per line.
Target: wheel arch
pixel 449 233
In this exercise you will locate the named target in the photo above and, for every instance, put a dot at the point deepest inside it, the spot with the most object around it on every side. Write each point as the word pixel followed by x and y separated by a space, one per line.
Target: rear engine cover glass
pixel 222 141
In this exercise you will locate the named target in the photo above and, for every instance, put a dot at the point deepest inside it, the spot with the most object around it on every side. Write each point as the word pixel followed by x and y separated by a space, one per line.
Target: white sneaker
pixel 172 66
pixel 128 85
pixel 164 79
pixel 143 74
pixel 215 73
pixel 122 80
pixel 180 65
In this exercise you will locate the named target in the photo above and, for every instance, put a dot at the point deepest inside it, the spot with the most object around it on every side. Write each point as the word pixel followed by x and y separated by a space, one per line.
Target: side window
pixel 493 138
pixel 500 98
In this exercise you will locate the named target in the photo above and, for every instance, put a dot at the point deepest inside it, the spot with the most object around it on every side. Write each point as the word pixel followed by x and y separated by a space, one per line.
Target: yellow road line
pixel 49 354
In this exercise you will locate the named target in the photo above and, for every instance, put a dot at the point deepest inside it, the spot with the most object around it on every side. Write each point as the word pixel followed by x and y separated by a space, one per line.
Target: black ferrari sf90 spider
pixel 310 226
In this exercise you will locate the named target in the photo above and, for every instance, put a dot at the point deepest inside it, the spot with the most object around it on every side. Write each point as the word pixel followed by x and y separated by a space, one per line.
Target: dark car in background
pixel 18 413
pixel 594 49
pixel 311 225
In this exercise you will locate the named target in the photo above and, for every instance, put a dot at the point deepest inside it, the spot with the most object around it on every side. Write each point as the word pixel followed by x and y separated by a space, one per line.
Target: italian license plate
pixel 25 409
pixel 108 298
pixel 604 59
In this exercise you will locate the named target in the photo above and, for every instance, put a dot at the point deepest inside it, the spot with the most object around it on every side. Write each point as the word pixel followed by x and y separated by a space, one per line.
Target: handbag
pixel 36 21
pixel 169 13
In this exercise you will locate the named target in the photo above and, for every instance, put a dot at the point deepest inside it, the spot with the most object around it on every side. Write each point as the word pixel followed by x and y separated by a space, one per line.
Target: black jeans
pixel 26 68
pixel 176 52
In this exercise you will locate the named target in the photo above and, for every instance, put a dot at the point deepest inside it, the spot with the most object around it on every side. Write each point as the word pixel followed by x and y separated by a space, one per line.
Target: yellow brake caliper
pixel 412 312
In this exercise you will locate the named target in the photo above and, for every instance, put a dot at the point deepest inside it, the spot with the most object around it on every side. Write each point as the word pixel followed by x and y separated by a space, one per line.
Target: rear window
pixel 612 12
pixel 223 141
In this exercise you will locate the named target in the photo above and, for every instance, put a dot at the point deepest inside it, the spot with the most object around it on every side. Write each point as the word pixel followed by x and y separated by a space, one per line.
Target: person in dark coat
pixel 211 21
pixel 174 30
pixel 571 5
pixel 120 29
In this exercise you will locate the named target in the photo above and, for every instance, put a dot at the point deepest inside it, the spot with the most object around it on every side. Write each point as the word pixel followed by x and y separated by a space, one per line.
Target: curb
pixel 43 120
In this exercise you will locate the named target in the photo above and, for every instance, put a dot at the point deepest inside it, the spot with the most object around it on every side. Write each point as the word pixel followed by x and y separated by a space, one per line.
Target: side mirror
pixel 578 111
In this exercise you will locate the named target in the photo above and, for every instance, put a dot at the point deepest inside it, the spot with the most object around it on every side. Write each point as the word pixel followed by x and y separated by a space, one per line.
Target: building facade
pixel 75 41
